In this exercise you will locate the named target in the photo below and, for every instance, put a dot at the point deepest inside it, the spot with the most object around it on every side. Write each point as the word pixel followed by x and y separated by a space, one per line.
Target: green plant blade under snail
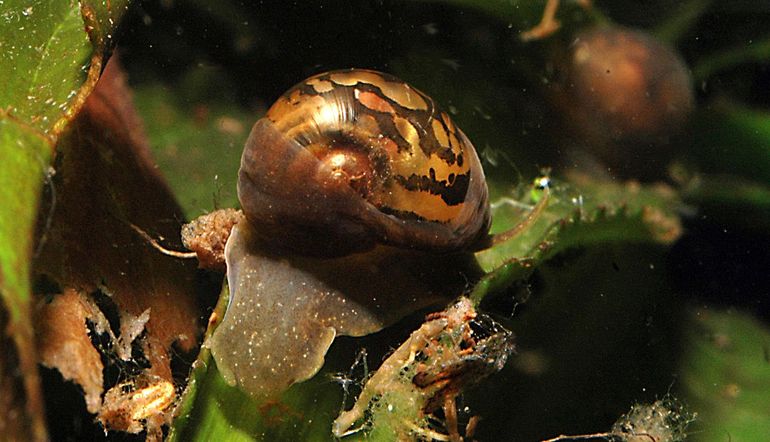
pixel 50 58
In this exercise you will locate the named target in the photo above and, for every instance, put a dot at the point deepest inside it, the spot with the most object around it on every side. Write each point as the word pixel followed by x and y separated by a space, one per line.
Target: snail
pixel 625 99
pixel 362 201
pixel 349 159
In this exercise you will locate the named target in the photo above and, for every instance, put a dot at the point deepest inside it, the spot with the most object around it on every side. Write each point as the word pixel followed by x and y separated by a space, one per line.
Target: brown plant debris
pixel 128 406
pixel 105 183
pixel 207 236
pixel 64 343
pixel 451 351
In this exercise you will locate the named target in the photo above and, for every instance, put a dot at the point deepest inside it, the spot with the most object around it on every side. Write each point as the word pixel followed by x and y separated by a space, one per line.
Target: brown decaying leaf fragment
pixel 106 181
pixel 207 236
pixel 63 342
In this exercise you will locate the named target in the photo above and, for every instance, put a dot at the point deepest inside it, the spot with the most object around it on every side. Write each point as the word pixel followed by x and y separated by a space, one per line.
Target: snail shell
pixel 349 159
pixel 342 162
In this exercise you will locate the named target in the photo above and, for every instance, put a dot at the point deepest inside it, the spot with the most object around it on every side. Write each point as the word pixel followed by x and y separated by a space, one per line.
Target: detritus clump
pixel 665 420
pixel 413 393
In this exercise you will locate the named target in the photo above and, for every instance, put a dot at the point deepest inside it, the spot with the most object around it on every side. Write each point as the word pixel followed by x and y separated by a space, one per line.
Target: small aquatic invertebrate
pixel 362 201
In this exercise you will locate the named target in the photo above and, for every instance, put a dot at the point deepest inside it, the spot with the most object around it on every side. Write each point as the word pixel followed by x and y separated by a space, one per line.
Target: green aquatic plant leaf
pixel 50 57
pixel 731 138
pixel 725 377
pixel 198 146
pixel 577 215
pixel 731 200
pixel 45 56
pixel 606 214
pixel 24 152
pixel 724 59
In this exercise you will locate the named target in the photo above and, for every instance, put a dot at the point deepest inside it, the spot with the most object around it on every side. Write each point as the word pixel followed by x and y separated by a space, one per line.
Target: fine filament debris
pixel 346 380
pixel 506 201
pixel 154 243
pixel 665 420
pixel 128 404
pixel 532 216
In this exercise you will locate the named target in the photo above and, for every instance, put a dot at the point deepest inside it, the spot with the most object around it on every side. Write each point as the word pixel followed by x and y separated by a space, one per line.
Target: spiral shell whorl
pixel 365 136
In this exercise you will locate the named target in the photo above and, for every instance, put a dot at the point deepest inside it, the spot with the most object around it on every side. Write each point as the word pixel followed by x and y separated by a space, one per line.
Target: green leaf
pixel 753 51
pixel 212 408
pixel 732 138
pixel 597 334
pixel 731 200
pixel 597 212
pixel 48 67
pixel 24 154
pixel 101 17
pixel 44 55
pixel 606 213
pixel 725 376
pixel 198 147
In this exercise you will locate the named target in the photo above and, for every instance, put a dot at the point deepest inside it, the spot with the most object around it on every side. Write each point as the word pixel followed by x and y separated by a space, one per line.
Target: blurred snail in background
pixel 362 201
pixel 625 98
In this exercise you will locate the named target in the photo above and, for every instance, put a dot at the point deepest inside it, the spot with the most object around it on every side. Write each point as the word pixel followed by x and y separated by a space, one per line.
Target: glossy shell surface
pixel 348 159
